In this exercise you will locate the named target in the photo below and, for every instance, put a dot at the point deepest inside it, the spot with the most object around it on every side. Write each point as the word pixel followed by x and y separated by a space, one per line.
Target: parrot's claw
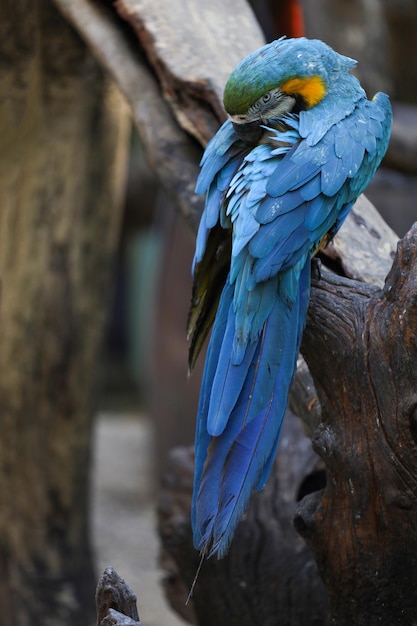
pixel 316 268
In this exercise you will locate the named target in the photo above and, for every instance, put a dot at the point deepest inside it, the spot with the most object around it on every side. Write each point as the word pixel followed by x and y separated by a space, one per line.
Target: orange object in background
pixel 290 19
pixel 279 17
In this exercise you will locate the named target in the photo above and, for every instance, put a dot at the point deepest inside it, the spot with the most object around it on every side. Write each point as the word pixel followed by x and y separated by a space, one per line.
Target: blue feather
pixel 310 190
pixel 228 380
pixel 273 235
pixel 237 459
pixel 303 300
pixel 213 204
pixel 245 227
pixel 286 253
pixel 354 159
pixel 289 175
pixel 272 207
pixel 333 176
pixel 252 307
pixel 318 210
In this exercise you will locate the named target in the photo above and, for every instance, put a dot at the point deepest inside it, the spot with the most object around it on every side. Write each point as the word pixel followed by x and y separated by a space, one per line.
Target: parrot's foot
pixel 315 268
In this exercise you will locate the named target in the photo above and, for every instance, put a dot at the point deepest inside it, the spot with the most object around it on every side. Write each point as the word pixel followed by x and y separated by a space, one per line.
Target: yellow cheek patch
pixel 311 89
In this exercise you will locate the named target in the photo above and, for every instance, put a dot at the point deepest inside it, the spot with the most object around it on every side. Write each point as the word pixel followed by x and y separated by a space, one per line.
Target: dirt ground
pixel 123 511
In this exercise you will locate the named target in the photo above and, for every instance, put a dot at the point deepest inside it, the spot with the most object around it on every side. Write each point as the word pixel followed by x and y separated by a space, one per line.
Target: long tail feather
pixel 237 461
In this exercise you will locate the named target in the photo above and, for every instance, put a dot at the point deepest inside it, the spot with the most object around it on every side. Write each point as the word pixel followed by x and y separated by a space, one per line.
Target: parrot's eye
pixel 272 104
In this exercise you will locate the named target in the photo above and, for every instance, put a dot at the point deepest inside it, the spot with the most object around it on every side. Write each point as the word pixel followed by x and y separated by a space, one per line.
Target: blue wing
pixel 279 201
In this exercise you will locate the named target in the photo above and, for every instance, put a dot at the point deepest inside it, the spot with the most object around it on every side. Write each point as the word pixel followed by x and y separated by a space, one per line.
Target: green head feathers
pixel 277 64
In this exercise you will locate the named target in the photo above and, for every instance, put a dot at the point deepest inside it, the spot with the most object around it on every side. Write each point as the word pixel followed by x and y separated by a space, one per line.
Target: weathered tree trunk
pixel 64 134
pixel 363 530
pixel 115 601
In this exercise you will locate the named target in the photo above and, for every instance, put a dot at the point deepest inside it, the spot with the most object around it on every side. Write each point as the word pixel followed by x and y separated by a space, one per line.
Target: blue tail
pixel 234 453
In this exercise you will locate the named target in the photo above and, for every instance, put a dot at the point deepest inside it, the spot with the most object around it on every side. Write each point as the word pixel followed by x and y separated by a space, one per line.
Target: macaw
pixel 301 143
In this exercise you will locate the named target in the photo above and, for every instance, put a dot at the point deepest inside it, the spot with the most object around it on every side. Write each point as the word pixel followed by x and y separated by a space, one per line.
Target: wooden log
pixel 364 250
pixel 193 83
pixel 360 345
pixel 115 601
pixel 173 156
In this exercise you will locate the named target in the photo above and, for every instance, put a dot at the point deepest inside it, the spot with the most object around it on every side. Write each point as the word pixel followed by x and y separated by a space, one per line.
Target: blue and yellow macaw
pixel 301 143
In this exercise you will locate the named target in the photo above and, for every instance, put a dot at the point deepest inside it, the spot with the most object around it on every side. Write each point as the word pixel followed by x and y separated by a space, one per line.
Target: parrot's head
pixel 285 76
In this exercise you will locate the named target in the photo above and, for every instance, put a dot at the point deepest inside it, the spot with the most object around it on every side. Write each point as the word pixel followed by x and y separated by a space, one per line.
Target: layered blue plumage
pixel 277 201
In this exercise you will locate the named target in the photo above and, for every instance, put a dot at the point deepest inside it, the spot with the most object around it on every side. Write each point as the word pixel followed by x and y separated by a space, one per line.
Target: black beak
pixel 249 133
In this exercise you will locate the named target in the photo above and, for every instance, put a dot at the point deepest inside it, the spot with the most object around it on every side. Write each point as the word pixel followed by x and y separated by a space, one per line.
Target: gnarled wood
pixel 171 153
pixel 115 601
pixel 363 530
pixel 363 249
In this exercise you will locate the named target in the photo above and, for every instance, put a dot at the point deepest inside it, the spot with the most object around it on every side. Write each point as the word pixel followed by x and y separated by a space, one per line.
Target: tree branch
pixel 363 530
pixel 115 601
pixel 189 49
pixel 363 249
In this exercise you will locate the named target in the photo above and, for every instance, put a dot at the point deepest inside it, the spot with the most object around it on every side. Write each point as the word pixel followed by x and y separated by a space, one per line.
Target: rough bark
pixel 363 529
pixel 115 601
pixel 363 250
pixel 64 134
pixel 171 153
pixel 193 83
